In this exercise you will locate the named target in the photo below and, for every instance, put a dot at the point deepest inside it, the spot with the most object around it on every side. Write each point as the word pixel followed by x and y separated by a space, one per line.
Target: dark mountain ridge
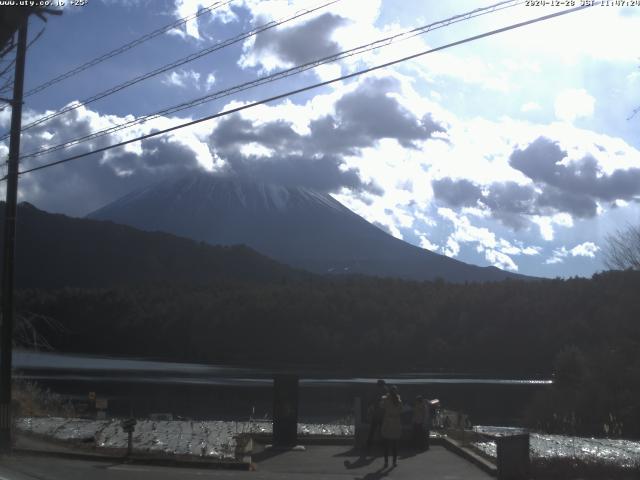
pixel 54 250
pixel 294 225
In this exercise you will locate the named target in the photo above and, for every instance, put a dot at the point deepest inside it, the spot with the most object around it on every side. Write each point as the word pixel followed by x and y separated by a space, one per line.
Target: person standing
pixel 418 423
pixel 391 425
pixel 376 412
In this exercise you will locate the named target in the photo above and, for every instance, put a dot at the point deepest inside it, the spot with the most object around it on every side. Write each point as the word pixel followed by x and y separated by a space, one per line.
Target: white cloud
pixel 256 149
pixel 558 256
pixel 572 104
pixel 500 260
pixel 427 244
pixel 510 249
pixel 586 249
pixel 452 248
pixel 530 107
pixel 497 251
pixel 183 79
pixel 562 219
pixel 469 69
pixel 210 81
pixel 186 8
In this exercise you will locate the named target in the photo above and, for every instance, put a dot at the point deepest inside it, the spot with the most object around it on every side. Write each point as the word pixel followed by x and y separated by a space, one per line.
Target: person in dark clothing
pixel 376 411
pixel 391 425
pixel 418 422
pixel 430 413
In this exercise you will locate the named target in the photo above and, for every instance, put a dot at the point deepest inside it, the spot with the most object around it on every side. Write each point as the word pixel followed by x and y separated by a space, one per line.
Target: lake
pixel 201 391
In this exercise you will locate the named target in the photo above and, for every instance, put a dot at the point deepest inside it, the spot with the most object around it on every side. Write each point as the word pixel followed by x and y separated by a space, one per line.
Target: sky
pixel 518 150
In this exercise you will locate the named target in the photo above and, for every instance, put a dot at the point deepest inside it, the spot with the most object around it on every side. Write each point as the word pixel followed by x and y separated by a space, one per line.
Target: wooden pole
pixel 10 208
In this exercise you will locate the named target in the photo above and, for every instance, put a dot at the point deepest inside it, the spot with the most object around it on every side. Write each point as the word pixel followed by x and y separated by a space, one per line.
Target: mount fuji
pixel 294 225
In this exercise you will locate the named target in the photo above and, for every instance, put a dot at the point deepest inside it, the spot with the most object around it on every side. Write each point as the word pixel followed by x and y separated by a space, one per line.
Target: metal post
pixel 285 410
pixel 6 333
pixel 129 443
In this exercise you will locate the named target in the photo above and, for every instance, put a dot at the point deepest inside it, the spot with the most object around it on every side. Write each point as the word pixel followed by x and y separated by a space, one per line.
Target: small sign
pixel 92 396
pixel 128 425
pixel 101 403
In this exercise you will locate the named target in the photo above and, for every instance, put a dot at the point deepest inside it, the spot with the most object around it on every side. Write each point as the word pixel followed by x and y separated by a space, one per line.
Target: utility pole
pixel 6 332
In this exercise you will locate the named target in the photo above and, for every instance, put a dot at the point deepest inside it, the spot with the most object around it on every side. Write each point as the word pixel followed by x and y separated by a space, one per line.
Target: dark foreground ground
pixel 335 462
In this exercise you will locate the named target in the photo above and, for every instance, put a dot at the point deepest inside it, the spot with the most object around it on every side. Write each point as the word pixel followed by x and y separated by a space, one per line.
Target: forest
pixel 583 333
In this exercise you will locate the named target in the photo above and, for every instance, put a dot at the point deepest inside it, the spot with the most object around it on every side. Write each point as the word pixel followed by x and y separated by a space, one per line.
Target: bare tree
pixel 622 250
pixel 27 333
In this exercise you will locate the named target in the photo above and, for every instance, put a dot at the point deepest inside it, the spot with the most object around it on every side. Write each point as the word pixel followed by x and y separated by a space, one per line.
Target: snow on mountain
pixel 294 225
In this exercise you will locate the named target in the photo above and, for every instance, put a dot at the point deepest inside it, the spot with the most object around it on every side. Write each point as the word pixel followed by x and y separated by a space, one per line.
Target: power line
pixel 402 36
pixel 310 87
pixel 12 62
pixel 9 85
pixel 125 47
pixel 177 63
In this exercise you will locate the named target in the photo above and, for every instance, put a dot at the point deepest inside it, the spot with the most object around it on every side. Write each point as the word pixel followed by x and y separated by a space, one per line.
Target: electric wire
pixel 7 87
pixel 386 41
pixel 309 87
pixel 171 66
pixel 125 47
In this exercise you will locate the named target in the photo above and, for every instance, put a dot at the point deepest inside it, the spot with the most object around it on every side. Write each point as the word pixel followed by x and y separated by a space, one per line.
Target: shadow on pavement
pixel 409 453
pixel 361 461
pixel 268 453
pixel 352 452
pixel 378 474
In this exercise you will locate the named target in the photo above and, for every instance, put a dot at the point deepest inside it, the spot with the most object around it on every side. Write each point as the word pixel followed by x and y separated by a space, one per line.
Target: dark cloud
pixel 456 193
pixel 235 131
pixel 369 114
pixel 88 183
pixel 508 202
pixel 322 174
pixel 362 118
pixel 292 163
pixel 512 203
pixel 574 187
pixel 558 200
pixel 301 43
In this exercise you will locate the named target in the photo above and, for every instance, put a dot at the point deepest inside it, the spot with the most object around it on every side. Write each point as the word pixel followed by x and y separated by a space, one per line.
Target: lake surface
pixel 214 391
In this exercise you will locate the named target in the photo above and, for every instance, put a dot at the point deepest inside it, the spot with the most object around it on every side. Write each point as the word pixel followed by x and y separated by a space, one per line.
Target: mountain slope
pixel 297 226
pixel 57 251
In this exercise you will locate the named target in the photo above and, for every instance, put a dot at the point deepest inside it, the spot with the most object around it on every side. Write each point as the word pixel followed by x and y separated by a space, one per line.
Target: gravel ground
pixel 618 452
pixel 209 439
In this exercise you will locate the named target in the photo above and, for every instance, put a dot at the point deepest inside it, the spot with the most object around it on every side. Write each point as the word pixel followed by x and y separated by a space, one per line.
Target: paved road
pixel 317 462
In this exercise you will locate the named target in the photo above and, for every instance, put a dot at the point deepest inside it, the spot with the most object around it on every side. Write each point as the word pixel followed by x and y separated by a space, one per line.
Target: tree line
pixel 583 332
